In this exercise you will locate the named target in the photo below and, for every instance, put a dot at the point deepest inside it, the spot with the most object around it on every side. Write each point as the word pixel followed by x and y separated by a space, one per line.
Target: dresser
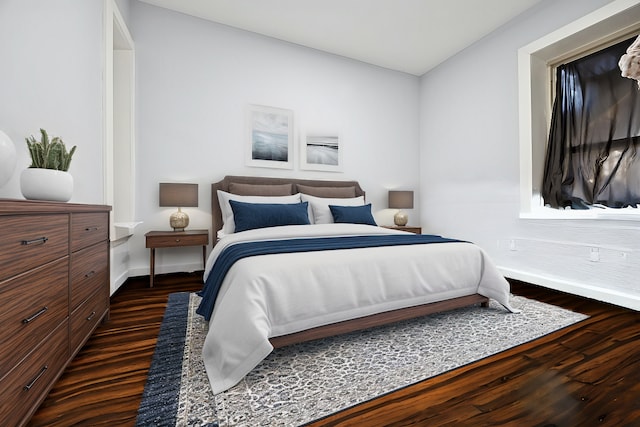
pixel 54 291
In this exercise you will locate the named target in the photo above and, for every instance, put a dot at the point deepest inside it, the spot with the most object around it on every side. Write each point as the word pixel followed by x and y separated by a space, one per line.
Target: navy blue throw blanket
pixel 233 253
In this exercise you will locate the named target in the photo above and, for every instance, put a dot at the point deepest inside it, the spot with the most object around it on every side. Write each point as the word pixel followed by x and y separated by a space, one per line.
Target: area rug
pixel 301 383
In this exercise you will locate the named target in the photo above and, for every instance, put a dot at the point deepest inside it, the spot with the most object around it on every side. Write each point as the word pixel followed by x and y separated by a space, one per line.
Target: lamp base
pixel 179 220
pixel 400 219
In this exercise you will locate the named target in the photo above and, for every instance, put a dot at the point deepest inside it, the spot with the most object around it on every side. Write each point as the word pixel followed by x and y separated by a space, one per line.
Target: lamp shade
pixel 178 195
pixel 401 199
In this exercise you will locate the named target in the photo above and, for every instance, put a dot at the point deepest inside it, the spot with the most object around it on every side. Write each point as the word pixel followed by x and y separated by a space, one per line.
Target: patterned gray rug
pixel 302 383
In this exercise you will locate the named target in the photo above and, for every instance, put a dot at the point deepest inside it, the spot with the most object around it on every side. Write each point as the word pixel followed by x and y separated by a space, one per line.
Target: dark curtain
pixel 595 131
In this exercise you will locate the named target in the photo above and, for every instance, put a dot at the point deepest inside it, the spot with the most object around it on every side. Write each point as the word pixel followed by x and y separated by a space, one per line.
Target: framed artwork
pixel 270 137
pixel 322 153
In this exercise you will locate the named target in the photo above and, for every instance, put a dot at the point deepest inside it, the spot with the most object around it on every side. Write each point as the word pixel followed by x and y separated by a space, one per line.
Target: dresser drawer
pixel 29 382
pixel 88 228
pixel 89 272
pixel 29 241
pixel 86 318
pixel 33 304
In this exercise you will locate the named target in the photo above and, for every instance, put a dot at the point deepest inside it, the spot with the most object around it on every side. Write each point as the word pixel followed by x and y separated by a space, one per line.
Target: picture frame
pixel 269 137
pixel 321 152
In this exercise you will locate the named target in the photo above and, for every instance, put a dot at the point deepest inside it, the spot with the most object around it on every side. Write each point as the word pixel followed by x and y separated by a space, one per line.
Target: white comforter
pixel 272 295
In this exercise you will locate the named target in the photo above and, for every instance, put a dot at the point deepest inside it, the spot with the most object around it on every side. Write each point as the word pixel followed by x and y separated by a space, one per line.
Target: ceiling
pixel 411 36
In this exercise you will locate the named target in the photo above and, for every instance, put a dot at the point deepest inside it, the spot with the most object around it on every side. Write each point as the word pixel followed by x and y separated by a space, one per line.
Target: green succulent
pixel 49 154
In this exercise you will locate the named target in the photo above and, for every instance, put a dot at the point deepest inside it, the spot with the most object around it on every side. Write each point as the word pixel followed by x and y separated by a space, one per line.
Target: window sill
pixel 625 214
pixel 124 229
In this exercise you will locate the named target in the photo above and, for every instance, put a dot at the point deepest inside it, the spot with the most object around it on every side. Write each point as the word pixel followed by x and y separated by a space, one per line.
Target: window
pixel 613 21
pixel 592 155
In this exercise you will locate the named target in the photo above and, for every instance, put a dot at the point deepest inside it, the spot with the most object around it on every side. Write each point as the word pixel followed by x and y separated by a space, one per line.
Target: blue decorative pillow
pixel 248 216
pixel 353 214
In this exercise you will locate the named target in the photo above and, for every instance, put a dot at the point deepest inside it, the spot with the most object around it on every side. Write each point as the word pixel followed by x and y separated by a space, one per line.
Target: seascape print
pixel 269 136
pixel 323 150
pixel 322 153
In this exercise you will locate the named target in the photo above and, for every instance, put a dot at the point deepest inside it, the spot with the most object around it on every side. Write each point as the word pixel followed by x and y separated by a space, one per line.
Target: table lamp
pixel 178 195
pixel 400 200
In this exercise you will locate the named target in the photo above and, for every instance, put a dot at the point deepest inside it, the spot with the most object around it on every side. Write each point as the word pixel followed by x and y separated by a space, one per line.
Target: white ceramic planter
pixel 46 184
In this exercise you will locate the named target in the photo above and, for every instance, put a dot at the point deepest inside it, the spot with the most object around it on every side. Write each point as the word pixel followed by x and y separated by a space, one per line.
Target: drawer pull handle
pixel 39 240
pixel 33 381
pixel 93 313
pixel 89 274
pixel 91 229
pixel 177 240
pixel 35 316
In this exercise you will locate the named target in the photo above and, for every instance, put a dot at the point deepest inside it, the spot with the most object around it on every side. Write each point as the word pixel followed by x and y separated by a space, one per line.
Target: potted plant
pixel 47 178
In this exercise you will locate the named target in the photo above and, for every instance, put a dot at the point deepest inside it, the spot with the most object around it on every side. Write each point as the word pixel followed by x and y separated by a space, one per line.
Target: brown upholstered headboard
pixel 251 186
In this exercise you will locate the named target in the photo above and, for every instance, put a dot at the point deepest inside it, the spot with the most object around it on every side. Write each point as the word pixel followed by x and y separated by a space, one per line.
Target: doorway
pixel 119 139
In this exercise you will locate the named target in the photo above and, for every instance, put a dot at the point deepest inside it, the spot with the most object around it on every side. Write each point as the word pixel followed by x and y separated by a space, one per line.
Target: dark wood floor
pixel 585 375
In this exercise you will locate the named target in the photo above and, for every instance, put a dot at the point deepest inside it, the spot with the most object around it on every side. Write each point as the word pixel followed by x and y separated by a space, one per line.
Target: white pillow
pixel 319 206
pixel 228 224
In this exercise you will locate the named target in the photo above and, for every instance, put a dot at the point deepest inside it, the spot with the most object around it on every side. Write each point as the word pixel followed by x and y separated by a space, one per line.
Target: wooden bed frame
pixel 345 326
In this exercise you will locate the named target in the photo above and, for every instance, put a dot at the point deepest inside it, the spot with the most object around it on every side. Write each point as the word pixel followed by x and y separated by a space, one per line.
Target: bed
pixel 296 260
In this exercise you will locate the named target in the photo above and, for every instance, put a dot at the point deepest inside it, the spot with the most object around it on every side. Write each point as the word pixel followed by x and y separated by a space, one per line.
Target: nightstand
pixel 415 230
pixel 173 239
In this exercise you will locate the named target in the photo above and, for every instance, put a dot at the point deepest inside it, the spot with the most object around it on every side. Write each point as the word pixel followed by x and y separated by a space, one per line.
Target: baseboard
pixel 119 281
pixel 611 296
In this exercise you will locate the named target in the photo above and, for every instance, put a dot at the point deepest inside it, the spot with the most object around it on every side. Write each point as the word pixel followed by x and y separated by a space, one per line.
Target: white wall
pixel 194 81
pixel 470 177
pixel 51 78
